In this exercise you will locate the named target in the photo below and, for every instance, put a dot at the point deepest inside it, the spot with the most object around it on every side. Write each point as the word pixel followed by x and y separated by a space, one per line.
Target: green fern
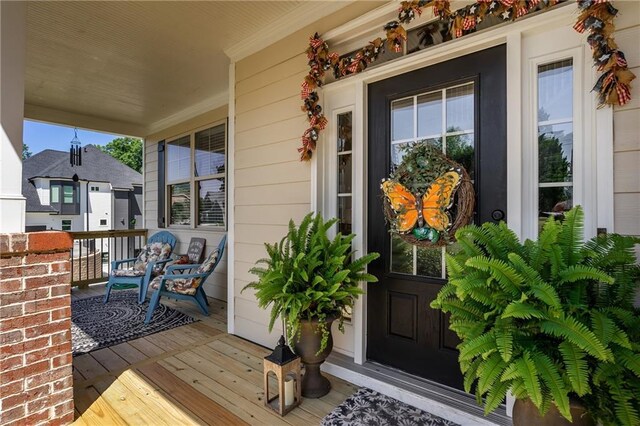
pixel 309 276
pixel 548 318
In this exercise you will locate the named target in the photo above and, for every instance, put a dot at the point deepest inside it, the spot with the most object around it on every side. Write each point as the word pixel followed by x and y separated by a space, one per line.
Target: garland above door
pixel 596 18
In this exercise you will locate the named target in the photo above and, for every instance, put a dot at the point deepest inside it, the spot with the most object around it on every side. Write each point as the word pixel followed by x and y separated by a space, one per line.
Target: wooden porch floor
pixel 193 374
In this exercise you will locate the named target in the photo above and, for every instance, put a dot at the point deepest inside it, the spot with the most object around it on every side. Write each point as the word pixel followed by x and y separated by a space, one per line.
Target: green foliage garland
pixel 308 276
pixel 548 319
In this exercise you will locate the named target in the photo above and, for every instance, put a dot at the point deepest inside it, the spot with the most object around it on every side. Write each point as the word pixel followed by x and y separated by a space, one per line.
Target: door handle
pixel 497 215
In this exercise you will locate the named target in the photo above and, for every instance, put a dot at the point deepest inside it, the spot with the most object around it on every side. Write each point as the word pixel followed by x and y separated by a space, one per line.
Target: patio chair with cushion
pixel 149 263
pixel 177 283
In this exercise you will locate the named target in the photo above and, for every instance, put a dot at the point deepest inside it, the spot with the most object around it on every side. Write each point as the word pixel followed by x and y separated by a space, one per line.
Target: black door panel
pixel 403 331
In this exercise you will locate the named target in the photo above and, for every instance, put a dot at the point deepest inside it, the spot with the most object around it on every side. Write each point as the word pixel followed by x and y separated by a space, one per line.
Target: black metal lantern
pixel 75 151
pixel 286 367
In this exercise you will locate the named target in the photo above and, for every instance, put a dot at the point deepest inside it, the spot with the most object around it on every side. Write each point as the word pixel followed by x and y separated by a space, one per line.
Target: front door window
pixel 445 119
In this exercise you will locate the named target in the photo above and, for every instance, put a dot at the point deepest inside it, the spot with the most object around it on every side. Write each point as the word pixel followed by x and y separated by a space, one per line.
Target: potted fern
pixel 550 320
pixel 309 280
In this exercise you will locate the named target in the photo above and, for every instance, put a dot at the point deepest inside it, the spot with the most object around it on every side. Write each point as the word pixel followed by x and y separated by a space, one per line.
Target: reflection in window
pixel 180 204
pixel 444 119
pixel 555 139
pixel 345 143
pixel 211 202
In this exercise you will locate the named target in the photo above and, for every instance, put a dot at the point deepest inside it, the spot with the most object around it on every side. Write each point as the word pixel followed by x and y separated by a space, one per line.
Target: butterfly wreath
pixel 425 218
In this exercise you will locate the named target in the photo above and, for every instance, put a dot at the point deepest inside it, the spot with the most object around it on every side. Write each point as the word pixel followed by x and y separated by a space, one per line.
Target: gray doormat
pixel 96 325
pixel 370 408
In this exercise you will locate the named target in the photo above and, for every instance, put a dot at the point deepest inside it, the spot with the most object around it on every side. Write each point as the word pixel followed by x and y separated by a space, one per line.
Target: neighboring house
pixel 99 195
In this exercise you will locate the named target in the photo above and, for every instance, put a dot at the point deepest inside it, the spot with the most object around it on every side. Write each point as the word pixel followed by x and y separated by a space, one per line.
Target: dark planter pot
pixel 314 384
pixel 526 414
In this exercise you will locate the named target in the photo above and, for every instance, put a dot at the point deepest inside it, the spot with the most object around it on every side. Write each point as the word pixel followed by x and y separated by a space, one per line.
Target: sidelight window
pixel 555 139
pixel 345 172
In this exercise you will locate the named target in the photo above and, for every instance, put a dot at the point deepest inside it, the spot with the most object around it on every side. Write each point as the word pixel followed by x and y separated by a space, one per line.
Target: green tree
pixel 126 150
pixel 26 152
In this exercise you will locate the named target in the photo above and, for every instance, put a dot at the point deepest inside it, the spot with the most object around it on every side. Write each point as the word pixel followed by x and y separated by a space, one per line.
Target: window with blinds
pixel 195 169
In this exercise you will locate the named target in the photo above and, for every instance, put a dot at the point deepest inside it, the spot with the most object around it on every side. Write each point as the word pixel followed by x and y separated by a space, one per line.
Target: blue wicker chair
pixel 185 285
pixel 149 262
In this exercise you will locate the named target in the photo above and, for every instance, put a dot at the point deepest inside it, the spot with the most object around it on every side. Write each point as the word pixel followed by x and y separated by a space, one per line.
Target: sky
pixel 40 136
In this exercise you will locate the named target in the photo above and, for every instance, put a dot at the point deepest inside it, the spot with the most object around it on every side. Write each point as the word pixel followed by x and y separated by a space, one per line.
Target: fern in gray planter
pixel 308 276
pixel 548 319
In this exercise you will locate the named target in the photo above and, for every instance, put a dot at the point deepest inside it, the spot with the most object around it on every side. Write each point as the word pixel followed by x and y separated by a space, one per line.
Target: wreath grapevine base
pixel 596 18
pixel 423 168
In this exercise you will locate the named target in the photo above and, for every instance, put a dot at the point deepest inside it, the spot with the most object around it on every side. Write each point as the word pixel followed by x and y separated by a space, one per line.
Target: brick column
pixel 36 377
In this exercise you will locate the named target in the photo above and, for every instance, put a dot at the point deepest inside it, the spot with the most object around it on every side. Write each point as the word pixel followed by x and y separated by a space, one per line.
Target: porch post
pixel 12 72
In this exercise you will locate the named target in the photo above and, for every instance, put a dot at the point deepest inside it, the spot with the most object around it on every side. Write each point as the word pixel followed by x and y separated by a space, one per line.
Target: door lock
pixel 497 215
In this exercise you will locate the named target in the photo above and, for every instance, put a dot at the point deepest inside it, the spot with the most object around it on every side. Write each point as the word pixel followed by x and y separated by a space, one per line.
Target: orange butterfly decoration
pixel 430 208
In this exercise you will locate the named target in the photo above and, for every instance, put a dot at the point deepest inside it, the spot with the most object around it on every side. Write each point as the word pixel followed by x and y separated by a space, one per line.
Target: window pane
pixel 344 215
pixel 401 255
pixel 554 201
pixel 555 152
pixel 180 204
pixel 344 174
pixel 460 108
pixel 210 151
pixel 429 262
pixel 67 194
pixel 555 91
pixel 344 132
pixel 212 202
pixel 66 225
pixel 402 119
pixel 55 194
pixel 460 148
pixel 178 159
pixel 430 114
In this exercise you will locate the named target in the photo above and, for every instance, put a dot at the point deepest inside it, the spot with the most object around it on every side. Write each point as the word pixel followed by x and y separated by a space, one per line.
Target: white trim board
pixel 231 251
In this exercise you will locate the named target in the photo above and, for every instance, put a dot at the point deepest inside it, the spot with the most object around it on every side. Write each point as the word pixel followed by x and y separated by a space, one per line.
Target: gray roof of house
pixel 97 166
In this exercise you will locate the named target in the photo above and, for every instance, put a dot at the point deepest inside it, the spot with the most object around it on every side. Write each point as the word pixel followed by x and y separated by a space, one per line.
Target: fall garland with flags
pixel 596 18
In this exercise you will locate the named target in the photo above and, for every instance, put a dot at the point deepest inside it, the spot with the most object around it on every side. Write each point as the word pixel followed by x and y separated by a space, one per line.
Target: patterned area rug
pixel 370 408
pixel 96 325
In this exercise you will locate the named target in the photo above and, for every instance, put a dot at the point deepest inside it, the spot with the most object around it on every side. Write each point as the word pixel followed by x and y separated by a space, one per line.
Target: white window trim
pixel 193 180
pixel 350 94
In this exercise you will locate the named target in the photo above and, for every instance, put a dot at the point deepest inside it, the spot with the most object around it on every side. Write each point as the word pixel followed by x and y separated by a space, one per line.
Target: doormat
pixel 96 325
pixel 370 408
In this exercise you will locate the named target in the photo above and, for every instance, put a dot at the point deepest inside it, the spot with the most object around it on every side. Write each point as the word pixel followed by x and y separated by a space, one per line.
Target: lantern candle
pixel 288 392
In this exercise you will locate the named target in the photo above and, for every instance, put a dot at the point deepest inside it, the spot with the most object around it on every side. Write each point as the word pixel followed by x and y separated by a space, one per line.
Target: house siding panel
pixel 272 186
pixel 216 284
pixel 626 128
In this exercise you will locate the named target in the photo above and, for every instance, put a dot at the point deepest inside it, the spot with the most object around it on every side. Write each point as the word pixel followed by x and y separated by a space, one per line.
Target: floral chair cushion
pixel 152 253
pixel 149 253
pixel 179 285
pixel 187 285
pixel 127 273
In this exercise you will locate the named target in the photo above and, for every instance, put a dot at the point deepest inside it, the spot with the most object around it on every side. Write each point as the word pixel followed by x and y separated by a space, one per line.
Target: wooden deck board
pixel 193 374
pixel 209 411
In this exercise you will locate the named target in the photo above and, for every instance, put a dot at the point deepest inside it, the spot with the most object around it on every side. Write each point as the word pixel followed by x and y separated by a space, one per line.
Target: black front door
pixel 460 107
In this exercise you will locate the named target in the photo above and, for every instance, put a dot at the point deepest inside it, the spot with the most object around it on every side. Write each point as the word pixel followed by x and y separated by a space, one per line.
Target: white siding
pixel 626 127
pixel 271 184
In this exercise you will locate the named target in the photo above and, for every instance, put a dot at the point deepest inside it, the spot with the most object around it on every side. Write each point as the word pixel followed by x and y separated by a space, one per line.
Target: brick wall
pixel 36 382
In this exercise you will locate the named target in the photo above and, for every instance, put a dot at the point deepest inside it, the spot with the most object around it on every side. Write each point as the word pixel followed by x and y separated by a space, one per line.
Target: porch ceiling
pixel 130 67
